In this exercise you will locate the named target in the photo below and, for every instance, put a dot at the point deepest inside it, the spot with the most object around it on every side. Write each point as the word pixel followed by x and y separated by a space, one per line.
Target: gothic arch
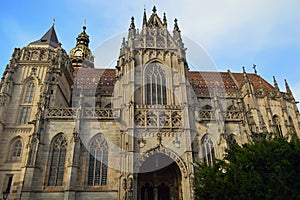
pixel 277 125
pixel 57 160
pixel 27 100
pixel 157 83
pixel 168 152
pixel 16 148
pixel 97 161
pixel 207 149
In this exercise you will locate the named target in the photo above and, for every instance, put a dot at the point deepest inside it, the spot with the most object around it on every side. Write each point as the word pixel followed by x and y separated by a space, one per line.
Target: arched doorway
pixel 159 178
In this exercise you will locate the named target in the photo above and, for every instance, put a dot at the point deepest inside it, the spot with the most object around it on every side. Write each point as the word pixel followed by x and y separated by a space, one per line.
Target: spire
pixel 165 19
pixel 145 18
pixel 81 55
pixel 275 83
pixel 132 26
pixel 49 38
pixel 132 31
pixel 288 89
pixel 176 28
pixel 83 38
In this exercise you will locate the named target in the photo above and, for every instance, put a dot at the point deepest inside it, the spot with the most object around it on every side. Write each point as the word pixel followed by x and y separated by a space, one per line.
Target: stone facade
pixel 72 131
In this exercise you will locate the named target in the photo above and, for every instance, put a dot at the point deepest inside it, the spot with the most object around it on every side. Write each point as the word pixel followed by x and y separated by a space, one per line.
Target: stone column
pixel 72 168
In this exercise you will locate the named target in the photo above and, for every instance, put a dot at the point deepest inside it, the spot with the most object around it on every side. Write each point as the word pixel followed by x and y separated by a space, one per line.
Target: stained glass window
pixel 156 92
pixel 98 160
pixel 57 162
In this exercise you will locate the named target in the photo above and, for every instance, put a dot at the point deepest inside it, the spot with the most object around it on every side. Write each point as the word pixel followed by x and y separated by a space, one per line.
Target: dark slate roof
pixel 201 82
pixel 49 38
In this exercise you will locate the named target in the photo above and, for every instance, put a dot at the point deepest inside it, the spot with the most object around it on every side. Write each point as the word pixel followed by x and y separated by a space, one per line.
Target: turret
pixel 81 55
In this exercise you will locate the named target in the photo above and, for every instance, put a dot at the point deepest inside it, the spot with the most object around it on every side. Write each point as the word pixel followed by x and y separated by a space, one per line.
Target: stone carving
pixel 163 118
pixel 230 115
pixel 89 112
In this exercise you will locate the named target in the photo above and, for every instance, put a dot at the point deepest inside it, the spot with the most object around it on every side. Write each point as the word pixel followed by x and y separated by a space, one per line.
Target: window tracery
pixel 208 152
pixel 57 161
pixel 277 126
pixel 155 91
pixel 16 150
pixel 98 160
pixel 26 103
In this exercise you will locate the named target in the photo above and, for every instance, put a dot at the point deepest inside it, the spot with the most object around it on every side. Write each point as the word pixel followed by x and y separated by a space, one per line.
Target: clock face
pixel 78 53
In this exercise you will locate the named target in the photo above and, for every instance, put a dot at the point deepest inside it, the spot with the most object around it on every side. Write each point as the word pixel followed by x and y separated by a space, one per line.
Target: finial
pixel 84 28
pixel 254 67
pixel 244 71
pixel 275 82
pixel 145 17
pixel 165 18
pixel 154 9
pixel 53 22
pixel 132 26
pixel 288 89
pixel 176 28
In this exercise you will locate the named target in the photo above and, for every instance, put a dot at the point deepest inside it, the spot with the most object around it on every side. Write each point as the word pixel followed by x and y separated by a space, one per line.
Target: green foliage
pixel 267 169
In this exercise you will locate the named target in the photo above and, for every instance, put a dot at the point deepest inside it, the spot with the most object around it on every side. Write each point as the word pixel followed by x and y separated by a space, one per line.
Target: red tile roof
pixel 202 82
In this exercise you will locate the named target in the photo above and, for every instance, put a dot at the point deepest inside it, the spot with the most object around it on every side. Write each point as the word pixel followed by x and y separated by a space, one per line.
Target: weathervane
pixel 53 22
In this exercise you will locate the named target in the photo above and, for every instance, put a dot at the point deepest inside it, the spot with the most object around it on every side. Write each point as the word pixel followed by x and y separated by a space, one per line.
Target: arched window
pixel 292 129
pixel 29 93
pixel 98 159
pixel 155 91
pixel 57 160
pixel 277 127
pixel 26 104
pixel 16 150
pixel 208 152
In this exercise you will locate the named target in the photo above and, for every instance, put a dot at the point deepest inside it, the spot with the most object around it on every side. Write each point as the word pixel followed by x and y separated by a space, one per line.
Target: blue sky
pixel 234 33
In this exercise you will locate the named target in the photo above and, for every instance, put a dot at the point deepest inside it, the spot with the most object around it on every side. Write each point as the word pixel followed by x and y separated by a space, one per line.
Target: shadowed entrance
pixel 159 179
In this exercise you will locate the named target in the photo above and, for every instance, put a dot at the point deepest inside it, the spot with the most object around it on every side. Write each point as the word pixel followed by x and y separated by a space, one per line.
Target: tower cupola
pixel 81 55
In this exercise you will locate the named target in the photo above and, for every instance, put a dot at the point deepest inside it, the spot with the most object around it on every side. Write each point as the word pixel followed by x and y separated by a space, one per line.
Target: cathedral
pixel 71 130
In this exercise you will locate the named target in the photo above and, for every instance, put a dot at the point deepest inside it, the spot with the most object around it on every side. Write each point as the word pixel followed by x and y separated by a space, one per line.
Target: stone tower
pixel 38 76
pixel 154 97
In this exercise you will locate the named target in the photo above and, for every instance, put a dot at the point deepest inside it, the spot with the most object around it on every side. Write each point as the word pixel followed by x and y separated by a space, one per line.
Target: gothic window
pixel 29 93
pixel 57 160
pixel 16 150
pixel 292 130
pixel 208 152
pixel 155 91
pixel 26 104
pixel 24 114
pixel 98 160
pixel 276 124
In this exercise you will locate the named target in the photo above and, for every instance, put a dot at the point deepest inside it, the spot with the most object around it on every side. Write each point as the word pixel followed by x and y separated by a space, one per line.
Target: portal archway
pixel 159 179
